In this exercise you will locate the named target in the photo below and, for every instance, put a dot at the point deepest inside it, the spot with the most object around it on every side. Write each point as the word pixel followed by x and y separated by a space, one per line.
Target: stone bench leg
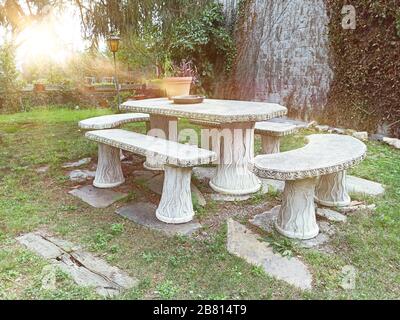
pixel 176 199
pixel 331 190
pixel 297 217
pixel 270 144
pixel 109 173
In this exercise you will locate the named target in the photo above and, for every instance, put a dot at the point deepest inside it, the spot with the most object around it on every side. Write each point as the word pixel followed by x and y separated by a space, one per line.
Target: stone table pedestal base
pixel 236 151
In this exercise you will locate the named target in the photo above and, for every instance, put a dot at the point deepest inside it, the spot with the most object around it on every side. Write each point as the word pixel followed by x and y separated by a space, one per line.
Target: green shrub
pixel 9 83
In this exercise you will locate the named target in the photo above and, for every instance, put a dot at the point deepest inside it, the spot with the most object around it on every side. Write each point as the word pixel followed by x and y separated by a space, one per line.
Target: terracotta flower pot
pixel 177 86
pixel 39 87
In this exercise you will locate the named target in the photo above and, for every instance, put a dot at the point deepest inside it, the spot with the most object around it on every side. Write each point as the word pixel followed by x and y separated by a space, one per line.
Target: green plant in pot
pixel 178 78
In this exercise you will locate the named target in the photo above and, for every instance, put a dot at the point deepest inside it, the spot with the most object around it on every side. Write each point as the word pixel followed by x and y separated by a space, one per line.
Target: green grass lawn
pixel 177 267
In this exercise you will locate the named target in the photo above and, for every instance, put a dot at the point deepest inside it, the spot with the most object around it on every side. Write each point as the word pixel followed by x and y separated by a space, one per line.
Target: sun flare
pixel 54 39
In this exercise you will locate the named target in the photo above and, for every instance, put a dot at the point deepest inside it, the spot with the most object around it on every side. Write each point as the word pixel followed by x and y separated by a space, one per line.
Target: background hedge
pixel 366 61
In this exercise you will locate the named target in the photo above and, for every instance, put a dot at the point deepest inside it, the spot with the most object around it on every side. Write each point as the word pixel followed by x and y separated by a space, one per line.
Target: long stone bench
pixel 176 201
pixel 271 133
pixel 325 156
pixel 114 121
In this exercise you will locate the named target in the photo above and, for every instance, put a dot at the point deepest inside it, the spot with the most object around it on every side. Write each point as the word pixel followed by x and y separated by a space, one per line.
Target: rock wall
pixel 282 53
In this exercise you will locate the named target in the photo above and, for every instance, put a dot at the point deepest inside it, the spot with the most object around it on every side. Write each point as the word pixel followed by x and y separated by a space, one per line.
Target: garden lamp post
pixel 113 43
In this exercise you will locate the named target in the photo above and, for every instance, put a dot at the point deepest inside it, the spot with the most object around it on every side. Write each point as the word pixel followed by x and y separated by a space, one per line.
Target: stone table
pixel 236 119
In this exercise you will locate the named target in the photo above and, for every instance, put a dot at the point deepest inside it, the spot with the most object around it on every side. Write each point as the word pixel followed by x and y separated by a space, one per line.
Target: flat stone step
pixel 265 221
pixel 77 163
pixel 81 175
pixel 363 186
pixel 331 215
pixel 144 214
pixel 97 198
pixel 243 243
pixel 84 268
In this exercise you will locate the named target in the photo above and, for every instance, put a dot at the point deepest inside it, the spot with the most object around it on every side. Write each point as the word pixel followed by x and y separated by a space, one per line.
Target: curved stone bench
pixel 178 159
pixel 327 156
pixel 271 133
pixel 112 121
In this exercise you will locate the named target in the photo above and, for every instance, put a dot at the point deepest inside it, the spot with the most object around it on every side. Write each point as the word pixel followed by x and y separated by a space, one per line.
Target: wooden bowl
pixel 188 99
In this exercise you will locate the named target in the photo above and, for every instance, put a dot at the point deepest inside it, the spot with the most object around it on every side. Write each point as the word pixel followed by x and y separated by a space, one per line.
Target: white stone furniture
pixel 237 120
pixel 271 133
pixel 112 121
pixel 178 159
pixel 326 156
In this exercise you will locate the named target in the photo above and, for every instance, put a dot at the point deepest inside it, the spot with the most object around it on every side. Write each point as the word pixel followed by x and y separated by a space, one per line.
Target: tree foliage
pixel 159 32
pixel 153 32
pixel 366 63
pixel 9 83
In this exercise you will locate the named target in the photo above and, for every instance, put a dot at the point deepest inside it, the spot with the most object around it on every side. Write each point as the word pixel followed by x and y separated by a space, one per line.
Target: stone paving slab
pixel 363 186
pixel 392 142
pixel 81 175
pixel 43 169
pixel 144 175
pixel 265 221
pixel 98 198
pixel 85 269
pixel 331 215
pixel 144 214
pixel 77 163
pixel 355 207
pixel 243 243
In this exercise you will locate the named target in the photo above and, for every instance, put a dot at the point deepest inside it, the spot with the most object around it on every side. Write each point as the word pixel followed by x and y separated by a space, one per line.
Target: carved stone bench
pixel 112 121
pixel 271 133
pixel 176 200
pixel 327 156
